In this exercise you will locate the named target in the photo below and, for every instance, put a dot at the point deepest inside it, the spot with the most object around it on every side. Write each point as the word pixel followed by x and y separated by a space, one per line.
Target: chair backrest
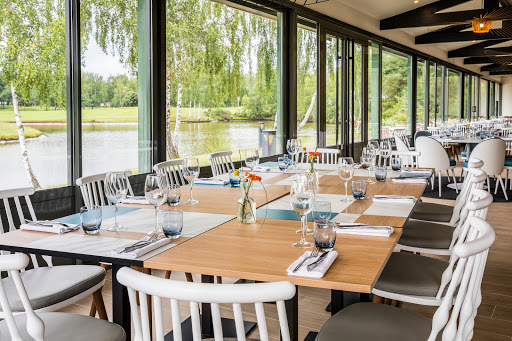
pixel 474 177
pixel 433 155
pixel 221 163
pixel 421 133
pixel 92 188
pixel 328 156
pixel 463 294
pixel 173 170
pixel 16 196
pixel 197 293
pixel 492 153
pixel 400 132
pixel 401 145
pixel 13 264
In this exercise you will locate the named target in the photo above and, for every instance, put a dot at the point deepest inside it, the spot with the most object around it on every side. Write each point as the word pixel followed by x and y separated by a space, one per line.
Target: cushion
pixel 432 212
pixel 411 274
pixel 508 157
pixel 47 286
pixel 465 164
pixel 508 162
pixel 66 327
pixel 426 234
pixel 453 163
pixel 371 322
pixel 463 154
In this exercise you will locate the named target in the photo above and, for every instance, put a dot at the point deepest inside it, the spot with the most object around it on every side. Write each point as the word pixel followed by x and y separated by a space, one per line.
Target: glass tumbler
pixel 91 219
pixel 359 189
pixel 325 236
pixel 381 173
pixel 172 223
pixel 174 195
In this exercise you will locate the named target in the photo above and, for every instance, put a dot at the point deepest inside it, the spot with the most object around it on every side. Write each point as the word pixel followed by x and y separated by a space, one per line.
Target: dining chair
pixel 328 156
pixel 408 157
pixel 49 287
pixel 442 213
pixel 92 188
pixel 221 163
pixel 173 170
pixel 434 156
pixel 492 153
pixel 454 318
pixel 202 293
pixel 428 237
pixel 421 133
pixel 21 322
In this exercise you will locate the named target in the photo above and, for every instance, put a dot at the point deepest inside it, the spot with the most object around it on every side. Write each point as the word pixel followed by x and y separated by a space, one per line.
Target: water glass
pixel 172 223
pixel 381 173
pixel 173 195
pixel 396 164
pixel 322 211
pixel 293 146
pixel 324 235
pixel 283 163
pixel 234 180
pixel 367 161
pixel 301 200
pixel 91 219
pixel 252 158
pixel 155 190
pixel 346 172
pixel 116 189
pixel 359 189
pixel 288 159
pixel 191 172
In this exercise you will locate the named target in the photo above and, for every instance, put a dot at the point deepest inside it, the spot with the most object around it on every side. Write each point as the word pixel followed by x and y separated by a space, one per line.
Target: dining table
pixel 215 243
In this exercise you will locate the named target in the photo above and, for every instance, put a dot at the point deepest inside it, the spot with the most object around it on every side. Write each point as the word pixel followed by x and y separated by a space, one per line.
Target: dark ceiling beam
pixel 496 68
pixel 505 3
pixel 478 60
pixel 500 73
pixel 475 50
pixel 442 36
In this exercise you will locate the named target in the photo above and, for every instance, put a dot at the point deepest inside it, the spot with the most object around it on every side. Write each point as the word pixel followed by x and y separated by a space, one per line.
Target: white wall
pixel 507 96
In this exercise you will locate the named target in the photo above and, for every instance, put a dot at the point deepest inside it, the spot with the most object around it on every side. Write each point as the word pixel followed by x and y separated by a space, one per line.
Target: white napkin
pixel 138 252
pixel 367 230
pixel 136 200
pixel 416 171
pixel 256 169
pixel 394 198
pixel 211 181
pixel 410 180
pixel 51 228
pixel 319 271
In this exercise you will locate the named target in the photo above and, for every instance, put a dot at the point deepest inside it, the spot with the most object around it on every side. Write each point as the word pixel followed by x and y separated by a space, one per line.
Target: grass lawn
pixel 8 132
pixel 100 115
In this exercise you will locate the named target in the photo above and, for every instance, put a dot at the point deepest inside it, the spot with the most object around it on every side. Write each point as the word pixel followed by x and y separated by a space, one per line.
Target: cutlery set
pixel 313 265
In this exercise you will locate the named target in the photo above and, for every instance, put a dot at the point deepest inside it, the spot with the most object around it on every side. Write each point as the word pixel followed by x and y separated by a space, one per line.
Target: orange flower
pixel 317 154
pixel 311 153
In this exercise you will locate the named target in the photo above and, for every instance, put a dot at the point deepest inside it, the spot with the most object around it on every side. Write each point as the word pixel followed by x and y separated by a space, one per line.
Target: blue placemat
pixel 283 214
pixel 107 213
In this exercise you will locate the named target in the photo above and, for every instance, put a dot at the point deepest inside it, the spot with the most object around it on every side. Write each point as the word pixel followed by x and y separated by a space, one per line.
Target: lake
pixel 115 147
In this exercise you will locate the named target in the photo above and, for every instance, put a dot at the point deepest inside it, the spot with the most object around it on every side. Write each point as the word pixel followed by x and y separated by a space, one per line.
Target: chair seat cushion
pixel 66 327
pixel 465 164
pixel 508 157
pixel 426 234
pixel 508 162
pixel 432 212
pixel 47 286
pixel 411 274
pixel 463 154
pixel 371 322
pixel 453 163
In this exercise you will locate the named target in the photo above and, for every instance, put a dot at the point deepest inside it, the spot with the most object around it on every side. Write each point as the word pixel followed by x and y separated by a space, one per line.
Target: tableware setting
pixel 139 248
pixel 211 181
pixel 312 264
pixel 394 198
pixel 365 230
pixel 48 226
pixel 140 200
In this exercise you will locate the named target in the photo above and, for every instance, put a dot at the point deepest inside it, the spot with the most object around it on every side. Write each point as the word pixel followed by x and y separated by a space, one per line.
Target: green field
pixel 8 132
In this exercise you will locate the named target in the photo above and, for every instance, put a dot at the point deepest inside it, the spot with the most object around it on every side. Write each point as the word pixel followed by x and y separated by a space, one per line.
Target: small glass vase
pixel 247 210
pixel 312 175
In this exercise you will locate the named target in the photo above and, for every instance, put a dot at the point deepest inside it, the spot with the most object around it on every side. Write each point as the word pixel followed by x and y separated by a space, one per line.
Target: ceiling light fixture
pixel 481 25
pixel 416 1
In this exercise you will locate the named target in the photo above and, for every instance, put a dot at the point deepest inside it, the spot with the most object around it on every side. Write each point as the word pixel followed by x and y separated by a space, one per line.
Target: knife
pixel 318 261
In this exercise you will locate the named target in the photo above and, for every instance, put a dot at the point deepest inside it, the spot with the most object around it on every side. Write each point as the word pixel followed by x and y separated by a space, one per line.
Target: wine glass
pixel 252 158
pixel 385 151
pixel 293 147
pixel 191 172
pixel 116 189
pixel 346 172
pixel 155 190
pixel 368 161
pixel 302 198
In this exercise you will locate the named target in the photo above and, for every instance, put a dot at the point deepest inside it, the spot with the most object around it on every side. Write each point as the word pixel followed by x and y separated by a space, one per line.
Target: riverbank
pixel 9 132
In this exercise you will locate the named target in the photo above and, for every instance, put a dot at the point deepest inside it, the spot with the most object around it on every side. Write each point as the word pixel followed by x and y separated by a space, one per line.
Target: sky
pixel 100 63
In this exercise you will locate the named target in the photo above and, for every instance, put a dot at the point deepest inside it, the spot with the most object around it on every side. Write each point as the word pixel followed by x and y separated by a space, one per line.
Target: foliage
pixel 130 99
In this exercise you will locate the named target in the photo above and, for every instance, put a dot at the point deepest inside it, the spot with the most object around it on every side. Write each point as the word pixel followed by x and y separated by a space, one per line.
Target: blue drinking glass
pixel 234 180
pixel 172 223
pixel 91 219
pixel 283 163
pixel 396 164
pixel 174 195
pixel 324 235
pixel 381 173
pixel 359 189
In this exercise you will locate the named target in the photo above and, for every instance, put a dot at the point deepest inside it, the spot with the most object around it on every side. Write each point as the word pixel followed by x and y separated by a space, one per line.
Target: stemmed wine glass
pixel 116 189
pixel 191 172
pixel 252 158
pixel 293 147
pixel 346 172
pixel 368 161
pixel 302 198
pixel 385 151
pixel 155 189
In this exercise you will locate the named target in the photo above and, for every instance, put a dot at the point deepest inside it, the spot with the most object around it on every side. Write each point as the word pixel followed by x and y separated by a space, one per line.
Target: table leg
pixel 336 301
pixel 120 303
pixel 292 315
pixel 206 313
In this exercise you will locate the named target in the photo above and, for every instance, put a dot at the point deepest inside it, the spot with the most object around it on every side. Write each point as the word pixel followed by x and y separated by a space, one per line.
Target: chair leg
pixel 188 275
pixel 92 311
pixel 100 305
pixel 503 187
pixel 488 185
pixel 455 181
pixel 394 303
pixel 167 274
pixel 377 299
pixel 439 177
pixel 448 175
pixel 496 186
pixel 506 178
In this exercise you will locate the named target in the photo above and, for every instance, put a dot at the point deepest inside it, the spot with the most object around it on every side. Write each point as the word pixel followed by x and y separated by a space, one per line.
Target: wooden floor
pixel 493 323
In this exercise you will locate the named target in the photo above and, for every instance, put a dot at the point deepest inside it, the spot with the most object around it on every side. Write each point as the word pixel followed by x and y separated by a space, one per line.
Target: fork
pixel 141 243
pixel 313 254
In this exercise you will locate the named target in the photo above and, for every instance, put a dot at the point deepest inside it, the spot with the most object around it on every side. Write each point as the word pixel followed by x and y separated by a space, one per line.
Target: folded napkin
pixel 319 271
pixel 49 226
pixel 416 170
pixel 367 230
pixel 136 200
pixel 410 180
pixel 394 198
pixel 211 181
pixel 256 169
pixel 419 173
pixel 138 252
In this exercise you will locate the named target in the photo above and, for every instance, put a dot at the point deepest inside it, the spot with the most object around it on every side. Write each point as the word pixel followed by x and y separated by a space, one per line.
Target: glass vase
pixel 247 210
pixel 312 175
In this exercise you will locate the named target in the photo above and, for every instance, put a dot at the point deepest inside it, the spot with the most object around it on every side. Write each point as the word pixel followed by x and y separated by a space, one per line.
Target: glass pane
pixel 475 98
pixel 373 91
pixel 467 99
pixel 492 100
pixel 331 91
pixel 306 85
pixel 358 91
pixel 453 96
pixel 420 99
pixel 33 61
pixel 483 98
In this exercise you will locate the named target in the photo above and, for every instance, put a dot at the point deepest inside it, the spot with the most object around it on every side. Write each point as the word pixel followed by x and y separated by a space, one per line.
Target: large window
pixel 484 97
pixel 453 99
pixel 420 99
pixel 33 140
pixel 373 90
pixel 332 91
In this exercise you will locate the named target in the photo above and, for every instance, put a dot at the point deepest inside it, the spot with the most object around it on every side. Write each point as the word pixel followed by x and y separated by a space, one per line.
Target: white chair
pixel 492 153
pixel 434 156
pixel 51 287
pixel 328 156
pixel 42 326
pixel 455 316
pixel 197 293
pixel 221 163
pixel 92 188
pixel 408 156
pixel 173 170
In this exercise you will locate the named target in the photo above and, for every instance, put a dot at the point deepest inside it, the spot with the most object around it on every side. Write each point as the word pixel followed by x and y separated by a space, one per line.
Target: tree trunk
pixel 21 136
pixel 176 136
pixel 171 150
pixel 189 111
pixel 199 113
pixel 275 121
pixel 310 109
